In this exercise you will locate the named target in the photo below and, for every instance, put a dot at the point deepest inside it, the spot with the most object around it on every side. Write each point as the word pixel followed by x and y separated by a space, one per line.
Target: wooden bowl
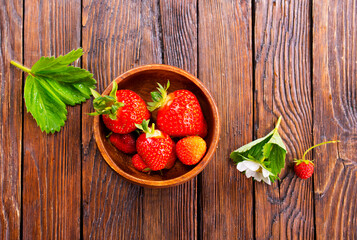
pixel 143 80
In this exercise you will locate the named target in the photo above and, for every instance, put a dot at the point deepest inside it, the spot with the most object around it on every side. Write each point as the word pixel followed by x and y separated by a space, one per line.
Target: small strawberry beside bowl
pixel 143 81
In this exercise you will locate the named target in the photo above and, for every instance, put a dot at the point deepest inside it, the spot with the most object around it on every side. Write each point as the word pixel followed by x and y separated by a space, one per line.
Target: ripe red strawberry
pixel 154 146
pixel 179 113
pixel 172 159
pixel 121 110
pixel 304 168
pixel 124 142
pixel 139 164
pixel 190 150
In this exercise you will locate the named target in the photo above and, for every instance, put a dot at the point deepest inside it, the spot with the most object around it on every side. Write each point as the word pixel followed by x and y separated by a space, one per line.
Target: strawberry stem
pixel 109 135
pixel 334 141
pixel 23 68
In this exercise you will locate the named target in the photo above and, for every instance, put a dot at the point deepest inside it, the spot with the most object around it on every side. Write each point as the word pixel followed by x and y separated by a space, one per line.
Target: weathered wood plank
pixel 11 24
pixel 335 117
pixel 172 213
pixel 283 87
pixel 117 36
pixel 52 163
pixel 225 67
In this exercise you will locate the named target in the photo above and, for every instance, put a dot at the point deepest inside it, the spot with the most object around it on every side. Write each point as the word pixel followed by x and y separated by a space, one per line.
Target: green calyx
pixel 106 104
pixel 144 126
pixel 306 161
pixel 299 161
pixel 158 97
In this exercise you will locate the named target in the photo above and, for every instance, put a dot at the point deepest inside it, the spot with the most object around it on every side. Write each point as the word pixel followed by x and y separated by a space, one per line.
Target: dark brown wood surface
pixel 11 37
pixel 51 195
pixel 225 67
pixel 283 88
pixel 259 59
pixel 112 33
pixel 335 117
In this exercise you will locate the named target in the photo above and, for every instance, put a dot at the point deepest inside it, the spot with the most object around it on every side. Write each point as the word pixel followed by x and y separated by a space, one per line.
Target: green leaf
pixel 67 74
pixel 51 85
pixel 53 64
pixel 70 94
pixel 270 151
pixel 46 108
pixel 277 159
pixel 254 149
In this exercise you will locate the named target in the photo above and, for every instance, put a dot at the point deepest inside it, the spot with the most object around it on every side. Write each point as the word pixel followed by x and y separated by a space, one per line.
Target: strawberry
pixel 179 113
pixel 172 159
pixel 139 164
pixel 305 168
pixel 154 146
pixel 124 142
pixel 190 150
pixel 121 110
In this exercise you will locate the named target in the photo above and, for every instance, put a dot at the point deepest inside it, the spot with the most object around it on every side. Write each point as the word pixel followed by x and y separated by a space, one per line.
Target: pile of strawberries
pixel 179 117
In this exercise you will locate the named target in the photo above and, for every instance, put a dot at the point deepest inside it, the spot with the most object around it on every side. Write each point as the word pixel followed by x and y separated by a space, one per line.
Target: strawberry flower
pixel 255 170
pixel 262 159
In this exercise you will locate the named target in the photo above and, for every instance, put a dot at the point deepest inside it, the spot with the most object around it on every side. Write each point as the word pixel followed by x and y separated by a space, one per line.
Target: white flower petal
pixel 254 166
pixel 267 180
pixel 266 173
pixel 258 177
pixel 241 166
pixel 250 173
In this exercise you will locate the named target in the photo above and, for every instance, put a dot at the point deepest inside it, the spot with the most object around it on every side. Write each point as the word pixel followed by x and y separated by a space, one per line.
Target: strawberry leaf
pixel 47 109
pixel 51 85
pixel 52 63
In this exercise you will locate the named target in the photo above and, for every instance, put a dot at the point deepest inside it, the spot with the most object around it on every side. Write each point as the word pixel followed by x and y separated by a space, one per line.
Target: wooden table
pixel 260 59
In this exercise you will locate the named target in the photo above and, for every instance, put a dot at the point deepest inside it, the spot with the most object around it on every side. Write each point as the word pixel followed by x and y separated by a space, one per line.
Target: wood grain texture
pixel 52 163
pixel 11 24
pixel 225 67
pixel 335 117
pixel 283 87
pixel 117 35
pixel 172 213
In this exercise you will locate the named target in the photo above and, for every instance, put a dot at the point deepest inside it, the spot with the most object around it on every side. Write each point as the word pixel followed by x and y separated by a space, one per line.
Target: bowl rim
pixel 180 179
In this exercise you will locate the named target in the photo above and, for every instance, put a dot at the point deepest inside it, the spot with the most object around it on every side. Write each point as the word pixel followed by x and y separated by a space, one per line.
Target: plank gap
pixel 81 131
pixel 312 103
pixel 254 132
pixel 22 120
pixel 199 177
pixel 161 37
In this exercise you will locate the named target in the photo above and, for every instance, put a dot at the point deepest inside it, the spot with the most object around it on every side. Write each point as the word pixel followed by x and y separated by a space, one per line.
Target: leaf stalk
pixel 23 68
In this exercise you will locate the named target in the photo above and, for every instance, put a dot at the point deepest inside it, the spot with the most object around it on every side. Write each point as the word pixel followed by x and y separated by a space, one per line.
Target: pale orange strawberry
pixel 190 150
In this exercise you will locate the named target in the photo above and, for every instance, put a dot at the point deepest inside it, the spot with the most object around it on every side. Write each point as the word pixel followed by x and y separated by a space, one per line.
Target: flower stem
pixel 277 124
pixel 334 141
pixel 23 68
